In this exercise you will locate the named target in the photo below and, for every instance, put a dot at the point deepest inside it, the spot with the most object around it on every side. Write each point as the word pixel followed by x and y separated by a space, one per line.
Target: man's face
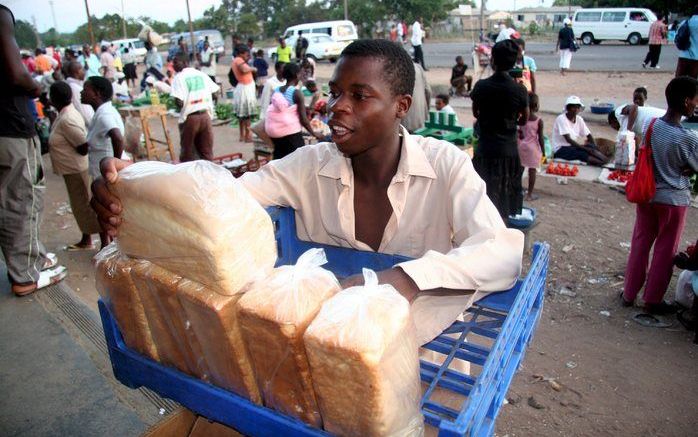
pixel 363 109
pixel 178 64
pixel 691 105
pixel 439 104
pixel 639 99
pixel 283 43
pixel 574 110
pixel 79 72
pixel 88 95
pixel 86 50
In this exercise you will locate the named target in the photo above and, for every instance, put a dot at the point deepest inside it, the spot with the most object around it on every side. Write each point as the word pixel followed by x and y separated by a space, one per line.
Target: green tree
pixel 247 26
pixel 25 34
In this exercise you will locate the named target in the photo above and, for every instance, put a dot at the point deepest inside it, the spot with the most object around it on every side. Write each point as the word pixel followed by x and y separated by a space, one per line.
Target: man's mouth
pixel 339 131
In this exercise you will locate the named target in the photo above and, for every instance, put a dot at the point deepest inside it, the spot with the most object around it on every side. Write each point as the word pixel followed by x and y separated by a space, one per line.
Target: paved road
pixel 603 57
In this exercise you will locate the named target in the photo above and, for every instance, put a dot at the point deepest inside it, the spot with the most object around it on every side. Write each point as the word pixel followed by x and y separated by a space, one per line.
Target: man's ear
pixel 403 104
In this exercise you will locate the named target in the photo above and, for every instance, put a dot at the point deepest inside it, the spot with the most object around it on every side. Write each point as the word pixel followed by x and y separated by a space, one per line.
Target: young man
pixel 75 77
pixel 106 60
pixel 105 135
pixel 441 103
pixel 208 60
pixel 572 139
pixel 376 187
pixel 283 52
pixel 660 222
pixel 91 61
pixel 417 37
pixel 193 92
pixel 459 80
pixel 22 182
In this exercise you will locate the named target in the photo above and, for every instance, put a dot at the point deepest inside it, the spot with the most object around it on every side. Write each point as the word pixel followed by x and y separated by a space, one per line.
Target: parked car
pixel 320 46
pixel 340 30
pixel 621 24
pixel 215 39
pixel 135 46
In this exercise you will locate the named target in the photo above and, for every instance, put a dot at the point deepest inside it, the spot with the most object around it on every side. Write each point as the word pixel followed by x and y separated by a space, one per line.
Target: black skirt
pixel 130 71
pixel 286 145
pixel 503 179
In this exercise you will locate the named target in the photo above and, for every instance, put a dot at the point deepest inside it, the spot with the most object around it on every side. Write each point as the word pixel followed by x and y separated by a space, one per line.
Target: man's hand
pixel 396 277
pixel 106 205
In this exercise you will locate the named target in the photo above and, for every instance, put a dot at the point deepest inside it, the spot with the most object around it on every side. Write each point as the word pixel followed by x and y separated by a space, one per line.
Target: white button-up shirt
pixel 441 216
pixel 417 34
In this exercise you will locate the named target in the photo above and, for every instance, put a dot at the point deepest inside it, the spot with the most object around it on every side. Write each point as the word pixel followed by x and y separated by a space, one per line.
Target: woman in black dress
pixel 500 104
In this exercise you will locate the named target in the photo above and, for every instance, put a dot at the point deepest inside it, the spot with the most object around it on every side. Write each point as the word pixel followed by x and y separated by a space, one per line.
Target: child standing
pixel 531 144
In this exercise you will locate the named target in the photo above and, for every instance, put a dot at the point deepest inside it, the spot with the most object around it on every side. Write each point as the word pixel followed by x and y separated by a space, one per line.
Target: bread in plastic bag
pixel 177 345
pixel 195 220
pixel 364 363
pixel 274 315
pixel 214 319
pixel 113 282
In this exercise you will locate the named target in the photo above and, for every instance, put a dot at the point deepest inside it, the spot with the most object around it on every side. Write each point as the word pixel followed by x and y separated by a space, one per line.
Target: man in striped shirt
pixel 657 38
pixel 661 221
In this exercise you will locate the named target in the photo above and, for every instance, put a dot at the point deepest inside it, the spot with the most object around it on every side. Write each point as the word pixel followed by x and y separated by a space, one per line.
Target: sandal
pixel 46 278
pixel 650 321
pixel 78 247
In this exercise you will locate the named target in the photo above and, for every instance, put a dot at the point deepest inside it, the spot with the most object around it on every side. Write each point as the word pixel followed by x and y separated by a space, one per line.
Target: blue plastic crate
pixel 493 339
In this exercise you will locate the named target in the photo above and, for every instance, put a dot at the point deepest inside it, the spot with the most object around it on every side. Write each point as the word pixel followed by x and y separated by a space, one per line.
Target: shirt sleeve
pixel 211 85
pixel 179 89
pixel 563 127
pixel 487 255
pixel 278 182
pixel 532 64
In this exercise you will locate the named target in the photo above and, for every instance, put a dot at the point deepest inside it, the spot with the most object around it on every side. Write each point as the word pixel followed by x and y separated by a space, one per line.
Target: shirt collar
pixel 413 162
pixel 103 107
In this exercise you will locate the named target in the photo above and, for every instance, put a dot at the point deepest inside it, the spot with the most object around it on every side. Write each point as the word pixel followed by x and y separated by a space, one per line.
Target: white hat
pixel 567 21
pixel 574 100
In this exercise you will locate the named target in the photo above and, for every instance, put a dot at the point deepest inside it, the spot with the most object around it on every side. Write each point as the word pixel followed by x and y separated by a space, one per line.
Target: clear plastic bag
pixel 197 221
pixel 274 314
pixel 114 285
pixel 364 363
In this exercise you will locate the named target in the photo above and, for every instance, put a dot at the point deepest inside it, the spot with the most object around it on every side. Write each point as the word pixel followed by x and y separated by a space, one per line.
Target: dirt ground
pixel 615 377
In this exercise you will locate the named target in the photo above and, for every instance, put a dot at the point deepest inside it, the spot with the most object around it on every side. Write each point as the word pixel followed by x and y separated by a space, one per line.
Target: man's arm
pixel 15 72
pixel 572 142
pixel 117 141
pixel 632 116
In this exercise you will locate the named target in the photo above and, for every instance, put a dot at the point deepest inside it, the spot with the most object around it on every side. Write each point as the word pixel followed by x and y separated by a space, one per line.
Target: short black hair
pixel 504 55
pixel 242 48
pixel 60 94
pixel 291 71
pixel 398 68
pixel 680 89
pixel 260 52
pixel 520 42
pixel 641 90
pixel 533 101
pixel 444 98
pixel 72 68
pixel 102 86
pixel 459 58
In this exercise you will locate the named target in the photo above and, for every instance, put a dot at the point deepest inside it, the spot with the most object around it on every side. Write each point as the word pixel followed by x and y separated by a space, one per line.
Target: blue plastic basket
pixel 493 339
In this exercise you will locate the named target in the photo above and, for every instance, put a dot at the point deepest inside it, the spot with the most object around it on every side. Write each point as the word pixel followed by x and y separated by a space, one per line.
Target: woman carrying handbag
pixel 671 155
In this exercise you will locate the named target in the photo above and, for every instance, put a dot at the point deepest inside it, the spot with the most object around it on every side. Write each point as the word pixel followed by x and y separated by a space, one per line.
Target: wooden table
pixel 145 114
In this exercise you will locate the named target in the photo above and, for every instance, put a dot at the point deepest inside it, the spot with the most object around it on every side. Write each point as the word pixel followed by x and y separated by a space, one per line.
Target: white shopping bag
pixel 625 149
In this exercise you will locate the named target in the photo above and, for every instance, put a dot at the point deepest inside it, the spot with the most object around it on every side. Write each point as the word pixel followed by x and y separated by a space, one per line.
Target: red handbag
pixel 641 187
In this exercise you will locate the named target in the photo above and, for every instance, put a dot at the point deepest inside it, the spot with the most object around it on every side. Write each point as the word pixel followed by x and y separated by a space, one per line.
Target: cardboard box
pixel 184 423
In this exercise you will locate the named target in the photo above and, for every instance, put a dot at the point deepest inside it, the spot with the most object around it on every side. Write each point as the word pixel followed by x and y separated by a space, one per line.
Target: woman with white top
pixel 572 139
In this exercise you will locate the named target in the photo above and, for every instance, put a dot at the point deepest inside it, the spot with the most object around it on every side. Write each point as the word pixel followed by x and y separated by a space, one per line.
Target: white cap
pixel 574 100
pixel 567 21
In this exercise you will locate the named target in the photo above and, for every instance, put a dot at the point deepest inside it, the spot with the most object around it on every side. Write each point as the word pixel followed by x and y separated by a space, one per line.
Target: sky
pixel 71 13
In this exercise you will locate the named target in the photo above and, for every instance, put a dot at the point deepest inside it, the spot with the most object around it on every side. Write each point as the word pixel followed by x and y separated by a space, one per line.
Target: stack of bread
pixel 191 240
pixel 191 282
pixel 274 315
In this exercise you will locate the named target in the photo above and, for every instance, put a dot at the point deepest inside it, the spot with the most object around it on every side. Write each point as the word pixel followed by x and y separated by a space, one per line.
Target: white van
pixel 135 46
pixel 340 31
pixel 624 24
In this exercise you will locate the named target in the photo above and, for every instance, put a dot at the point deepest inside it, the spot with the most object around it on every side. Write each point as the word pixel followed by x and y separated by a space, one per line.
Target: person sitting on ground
pixel 441 104
pixel 572 139
pixel 635 116
pixel 460 80
pixel 528 67
pixel 378 188
pixel 68 151
pixel 531 145
pixel 659 223
pixel 193 93
pixel 105 135
pixel 287 115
